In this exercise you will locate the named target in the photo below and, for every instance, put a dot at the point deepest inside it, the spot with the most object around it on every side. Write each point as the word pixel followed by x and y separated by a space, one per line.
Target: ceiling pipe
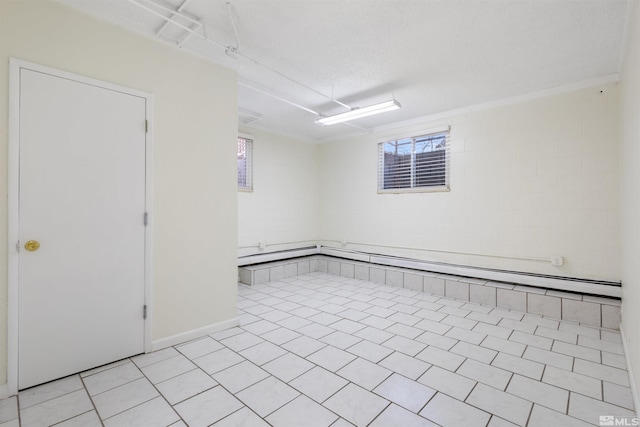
pixel 233 50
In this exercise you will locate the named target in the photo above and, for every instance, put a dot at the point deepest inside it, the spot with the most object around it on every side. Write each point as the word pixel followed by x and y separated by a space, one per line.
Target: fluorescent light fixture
pixel 358 113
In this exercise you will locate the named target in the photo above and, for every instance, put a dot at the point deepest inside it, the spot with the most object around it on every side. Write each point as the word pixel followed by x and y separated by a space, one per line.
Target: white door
pixel 82 198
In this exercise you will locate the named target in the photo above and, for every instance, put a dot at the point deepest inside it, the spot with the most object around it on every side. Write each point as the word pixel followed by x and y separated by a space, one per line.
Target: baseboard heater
pixel 569 284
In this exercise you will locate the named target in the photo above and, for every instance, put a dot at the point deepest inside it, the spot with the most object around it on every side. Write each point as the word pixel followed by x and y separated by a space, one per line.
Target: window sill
pixel 442 189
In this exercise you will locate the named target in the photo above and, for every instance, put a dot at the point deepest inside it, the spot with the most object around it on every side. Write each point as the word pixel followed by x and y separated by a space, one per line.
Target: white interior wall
pixel 283 210
pixel 537 178
pixel 630 189
pixel 194 171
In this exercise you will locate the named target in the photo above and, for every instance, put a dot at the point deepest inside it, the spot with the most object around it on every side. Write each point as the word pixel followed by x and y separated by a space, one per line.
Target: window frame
pixel 248 164
pixel 421 189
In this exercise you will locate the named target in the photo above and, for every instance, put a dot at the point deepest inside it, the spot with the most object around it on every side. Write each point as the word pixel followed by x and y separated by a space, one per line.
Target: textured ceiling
pixel 431 55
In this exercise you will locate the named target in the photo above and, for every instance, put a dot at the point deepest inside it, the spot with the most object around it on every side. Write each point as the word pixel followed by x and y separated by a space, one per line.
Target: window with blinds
pixel 418 163
pixel 245 167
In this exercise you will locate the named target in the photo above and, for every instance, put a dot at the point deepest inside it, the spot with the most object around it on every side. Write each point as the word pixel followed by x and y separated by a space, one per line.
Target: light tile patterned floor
pixel 322 350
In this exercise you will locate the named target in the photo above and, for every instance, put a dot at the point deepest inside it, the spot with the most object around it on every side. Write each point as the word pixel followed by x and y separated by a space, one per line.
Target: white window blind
pixel 419 163
pixel 245 163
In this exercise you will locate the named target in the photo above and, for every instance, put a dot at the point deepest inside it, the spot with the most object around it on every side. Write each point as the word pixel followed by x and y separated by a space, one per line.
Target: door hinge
pixel 146 126
pixel 144 311
pixel 18 246
pixel 146 219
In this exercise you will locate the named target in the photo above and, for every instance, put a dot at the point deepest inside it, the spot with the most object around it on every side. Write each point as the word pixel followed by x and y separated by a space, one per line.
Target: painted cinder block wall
pixel 537 178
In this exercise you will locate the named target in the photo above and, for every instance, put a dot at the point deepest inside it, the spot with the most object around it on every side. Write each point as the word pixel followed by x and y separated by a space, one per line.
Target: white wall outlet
pixel 261 245
pixel 557 261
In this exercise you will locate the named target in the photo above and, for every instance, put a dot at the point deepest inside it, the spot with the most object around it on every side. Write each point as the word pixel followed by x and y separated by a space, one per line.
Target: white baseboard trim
pixel 4 391
pixel 632 381
pixel 193 334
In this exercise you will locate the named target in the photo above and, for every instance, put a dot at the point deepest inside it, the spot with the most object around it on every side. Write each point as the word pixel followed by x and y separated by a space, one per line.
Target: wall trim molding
pixel 193 334
pixel 634 389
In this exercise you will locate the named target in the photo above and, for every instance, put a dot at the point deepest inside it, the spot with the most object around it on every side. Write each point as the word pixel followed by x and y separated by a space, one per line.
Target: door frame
pixel 15 66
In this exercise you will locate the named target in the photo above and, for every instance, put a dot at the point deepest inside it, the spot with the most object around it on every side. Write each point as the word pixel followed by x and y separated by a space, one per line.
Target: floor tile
pixel 374 335
pixel 303 346
pixel 168 368
pixel 331 358
pixel 572 381
pixel 405 392
pixel 155 357
pixel 544 394
pixel 503 345
pixel 340 340
pixel 206 408
pixel 532 340
pixel 447 382
pixel 8 409
pixel 568 337
pixel 472 364
pixel 318 383
pixel 260 327
pixel 603 372
pixel 364 373
pixel 548 358
pixel 356 405
pixel 404 345
pixel 465 335
pixel 262 353
pixel 218 360
pixel 576 351
pixel 288 367
pixel 590 410
pixel 244 417
pixel 241 341
pixel 315 330
pixel 499 422
pixel 615 360
pixel 544 417
pixel 404 330
pixel 597 344
pixel 518 365
pixel 240 376
pixel 124 397
pixel 437 340
pixel 370 351
pixel 489 375
pixel 397 416
pixel 155 412
pixel 405 365
pixel 441 358
pixel 280 336
pixel 302 412
pixel 199 347
pixel 51 390
pixel 447 411
pixel 618 395
pixel 88 419
pixel 56 410
pixel 502 404
pixel 494 331
pixel 267 396
pixel 184 386
pixel 473 351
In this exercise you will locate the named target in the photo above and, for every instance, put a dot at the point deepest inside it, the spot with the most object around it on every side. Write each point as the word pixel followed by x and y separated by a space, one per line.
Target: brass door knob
pixel 32 245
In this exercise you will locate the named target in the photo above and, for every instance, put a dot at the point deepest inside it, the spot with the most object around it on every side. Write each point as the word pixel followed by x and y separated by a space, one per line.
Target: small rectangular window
pixel 418 163
pixel 245 164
